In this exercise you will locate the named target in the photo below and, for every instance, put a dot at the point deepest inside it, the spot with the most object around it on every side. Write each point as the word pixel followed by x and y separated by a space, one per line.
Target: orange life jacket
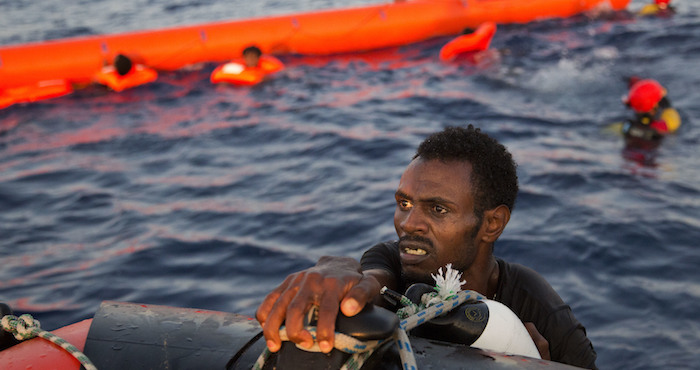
pixel 475 41
pixel 138 75
pixel 235 72
pixel 38 91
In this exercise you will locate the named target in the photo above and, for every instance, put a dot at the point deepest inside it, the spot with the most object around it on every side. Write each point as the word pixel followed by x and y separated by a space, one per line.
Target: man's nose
pixel 413 222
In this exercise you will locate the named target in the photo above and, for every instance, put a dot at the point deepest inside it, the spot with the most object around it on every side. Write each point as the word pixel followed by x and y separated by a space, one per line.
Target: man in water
pixel 124 74
pixel 123 64
pixel 452 203
pixel 251 69
pixel 654 116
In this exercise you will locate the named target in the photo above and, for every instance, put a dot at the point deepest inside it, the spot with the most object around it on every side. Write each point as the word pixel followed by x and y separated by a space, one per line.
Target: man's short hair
pixel 252 49
pixel 494 175
pixel 122 64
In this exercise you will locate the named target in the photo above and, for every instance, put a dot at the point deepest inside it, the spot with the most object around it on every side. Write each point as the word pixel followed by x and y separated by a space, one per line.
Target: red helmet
pixel 644 95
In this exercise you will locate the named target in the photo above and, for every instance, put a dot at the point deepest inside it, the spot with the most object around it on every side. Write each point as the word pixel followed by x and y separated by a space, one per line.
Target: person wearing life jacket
pixel 125 74
pixel 658 7
pixel 654 116
pixel 251 69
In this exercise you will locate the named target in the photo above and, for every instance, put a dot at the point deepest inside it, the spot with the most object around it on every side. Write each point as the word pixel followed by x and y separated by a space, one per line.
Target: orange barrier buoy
pixel 312 33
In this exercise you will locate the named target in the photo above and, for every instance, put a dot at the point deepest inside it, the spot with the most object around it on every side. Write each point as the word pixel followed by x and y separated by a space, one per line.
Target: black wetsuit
pixel 639 129
pixel 525 292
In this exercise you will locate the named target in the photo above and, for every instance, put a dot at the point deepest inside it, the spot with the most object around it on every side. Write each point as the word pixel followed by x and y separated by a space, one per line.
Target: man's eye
pixel 439 209
pixel 403 203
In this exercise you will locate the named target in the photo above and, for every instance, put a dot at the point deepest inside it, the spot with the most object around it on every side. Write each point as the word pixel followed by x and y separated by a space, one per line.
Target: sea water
pixel 186 194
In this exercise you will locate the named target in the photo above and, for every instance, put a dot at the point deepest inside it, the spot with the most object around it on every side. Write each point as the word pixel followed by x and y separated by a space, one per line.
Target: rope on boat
pixel 446 296
pixel 421 317
pixel 360 350
pixel 26 327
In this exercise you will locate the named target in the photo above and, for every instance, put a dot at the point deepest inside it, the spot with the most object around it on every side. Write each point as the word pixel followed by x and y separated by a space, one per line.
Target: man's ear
pixel 495 220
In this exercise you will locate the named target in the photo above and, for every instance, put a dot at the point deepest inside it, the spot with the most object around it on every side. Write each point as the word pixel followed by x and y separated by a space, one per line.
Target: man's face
pixel 435 219
pixel 251 59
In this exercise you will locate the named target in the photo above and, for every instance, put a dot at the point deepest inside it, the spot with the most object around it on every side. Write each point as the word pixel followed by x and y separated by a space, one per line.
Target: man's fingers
pixel 276 317
pixel 296 314
pixel 271 332
pixel 325 328
pixel 540 342
pixel 358 296
pixel 324 285
pixel 264 310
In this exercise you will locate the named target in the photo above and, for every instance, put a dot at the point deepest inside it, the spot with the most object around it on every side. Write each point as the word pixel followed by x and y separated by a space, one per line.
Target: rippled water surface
pixel 187 194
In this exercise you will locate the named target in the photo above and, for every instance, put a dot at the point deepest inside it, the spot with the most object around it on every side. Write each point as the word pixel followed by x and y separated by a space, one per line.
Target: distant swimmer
pixel 658 7
pixel 124 74
pixel 251 69
pixel 654 116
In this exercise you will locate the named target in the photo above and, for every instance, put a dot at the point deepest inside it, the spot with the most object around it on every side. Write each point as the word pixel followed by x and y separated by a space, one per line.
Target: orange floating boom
pixel 312 33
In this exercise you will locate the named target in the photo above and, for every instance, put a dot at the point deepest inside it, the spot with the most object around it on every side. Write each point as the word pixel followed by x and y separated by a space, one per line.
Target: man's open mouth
pixel 415 251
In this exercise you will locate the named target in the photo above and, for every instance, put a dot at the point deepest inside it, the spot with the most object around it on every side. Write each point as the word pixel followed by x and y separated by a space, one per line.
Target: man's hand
pixel 541 343
pixel 335 282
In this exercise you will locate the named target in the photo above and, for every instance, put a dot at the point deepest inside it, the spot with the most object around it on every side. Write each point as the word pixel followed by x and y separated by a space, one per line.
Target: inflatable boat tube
pixel 322 32
pixel 139 336
pixel 41 354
